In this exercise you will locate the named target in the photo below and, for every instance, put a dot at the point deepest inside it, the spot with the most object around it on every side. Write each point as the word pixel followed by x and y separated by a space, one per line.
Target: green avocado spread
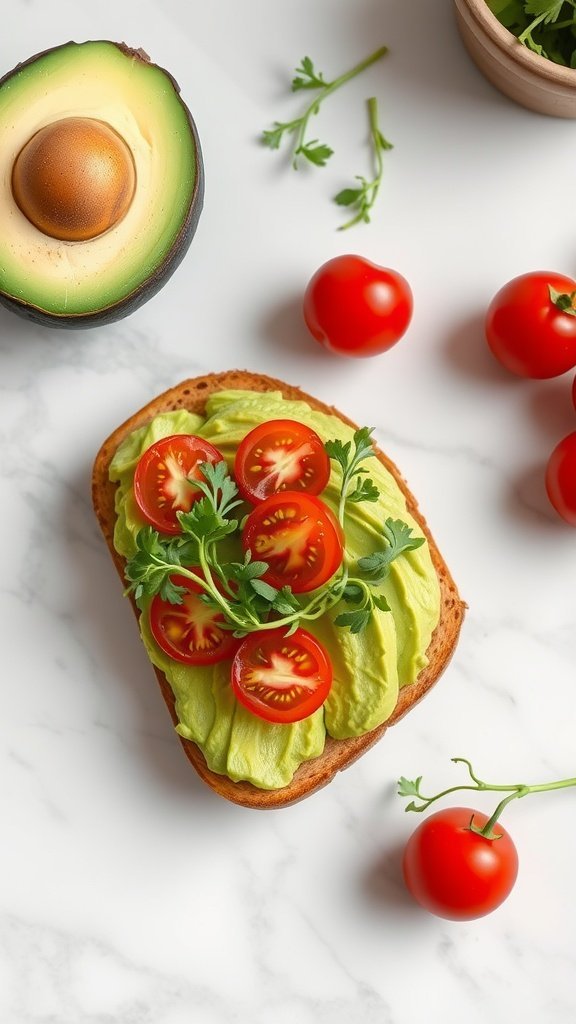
pixel 369 667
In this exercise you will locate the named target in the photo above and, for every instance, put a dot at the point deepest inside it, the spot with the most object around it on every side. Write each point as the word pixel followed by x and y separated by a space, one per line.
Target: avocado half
pixel 101 183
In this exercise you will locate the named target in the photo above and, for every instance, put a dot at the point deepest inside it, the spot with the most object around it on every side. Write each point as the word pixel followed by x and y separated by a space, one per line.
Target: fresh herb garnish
pixel 350 464
pixel 362 197
pixel 375 568
pixel 547 27
pixel 237 589
pixel 307 78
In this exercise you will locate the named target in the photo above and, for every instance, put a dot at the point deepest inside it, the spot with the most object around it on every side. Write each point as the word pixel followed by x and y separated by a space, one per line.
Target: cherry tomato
pixel 280 455
pixel 282 679
pixel 190 632
pixel 356 308
pixel 165 475
pixel 299 537
pixel 454 872
pixel 561 478
pixel 525 329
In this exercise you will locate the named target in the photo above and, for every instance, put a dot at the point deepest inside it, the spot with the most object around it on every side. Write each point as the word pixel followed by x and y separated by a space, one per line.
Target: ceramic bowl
pixel 533 81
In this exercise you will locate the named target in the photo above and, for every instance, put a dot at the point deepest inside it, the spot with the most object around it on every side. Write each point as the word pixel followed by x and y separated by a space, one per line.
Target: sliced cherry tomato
pixel 165 475
pixel 280 455
pixel 453 871
pixel 531 325
pixel 282 679
pixel 357 308
pixel 299 537
pixel 561 478
pixel 190 632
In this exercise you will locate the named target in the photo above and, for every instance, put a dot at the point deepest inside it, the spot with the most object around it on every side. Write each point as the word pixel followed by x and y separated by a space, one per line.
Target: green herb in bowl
pixel 547 27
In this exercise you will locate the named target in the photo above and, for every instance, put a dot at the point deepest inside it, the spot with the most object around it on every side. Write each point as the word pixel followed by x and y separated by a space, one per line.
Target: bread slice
pixel 338 754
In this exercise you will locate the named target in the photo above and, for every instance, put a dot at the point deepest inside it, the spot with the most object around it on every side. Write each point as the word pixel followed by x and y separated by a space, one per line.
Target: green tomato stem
pixel 514 791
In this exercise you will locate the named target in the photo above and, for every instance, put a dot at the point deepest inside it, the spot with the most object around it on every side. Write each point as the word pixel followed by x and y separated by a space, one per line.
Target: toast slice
pixel 338 754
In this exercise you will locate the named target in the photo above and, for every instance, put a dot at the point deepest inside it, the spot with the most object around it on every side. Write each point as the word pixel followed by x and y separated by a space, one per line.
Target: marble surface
pixel 128 892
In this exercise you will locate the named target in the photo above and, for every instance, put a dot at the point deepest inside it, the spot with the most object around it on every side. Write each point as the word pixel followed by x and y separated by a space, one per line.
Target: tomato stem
pixel 514 791
pixel 566 301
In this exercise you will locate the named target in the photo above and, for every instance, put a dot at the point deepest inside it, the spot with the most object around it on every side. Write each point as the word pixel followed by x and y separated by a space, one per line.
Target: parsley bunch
pixel 547 27
pixel 237 588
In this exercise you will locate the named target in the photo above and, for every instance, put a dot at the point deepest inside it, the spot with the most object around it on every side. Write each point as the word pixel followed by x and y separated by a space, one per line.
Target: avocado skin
pixel 130 303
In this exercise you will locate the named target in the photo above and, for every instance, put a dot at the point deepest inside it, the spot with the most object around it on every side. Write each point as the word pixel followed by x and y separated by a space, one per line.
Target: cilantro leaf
pixel 356 621
pixel 549 10
pixel 353 593
pixel 316 152
pixel 409 787
pixel 264 590
pixel 350 463
pixel 365 490
pixel 399 537
pixel 348 196
pixel 381 603
pixel 338 451
pixel 272 137
pixel 307 77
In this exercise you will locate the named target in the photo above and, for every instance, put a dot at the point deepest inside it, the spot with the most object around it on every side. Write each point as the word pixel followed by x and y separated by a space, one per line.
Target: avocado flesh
pixel 140 101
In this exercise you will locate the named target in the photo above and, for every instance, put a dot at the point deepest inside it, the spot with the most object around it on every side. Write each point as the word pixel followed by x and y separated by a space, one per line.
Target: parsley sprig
pixel 350 463
pixel 237 588
pixel 547 27
pixel 362 197
pixel 307 78
pixel 374 570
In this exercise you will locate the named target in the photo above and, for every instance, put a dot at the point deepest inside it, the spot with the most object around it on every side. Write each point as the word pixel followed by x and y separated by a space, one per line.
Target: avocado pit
pixel 74 179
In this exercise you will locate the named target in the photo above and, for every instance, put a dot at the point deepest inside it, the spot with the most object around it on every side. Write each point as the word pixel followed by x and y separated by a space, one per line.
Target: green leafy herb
pixel 400 539
pixel 350 462
pixel 356 621
pixel 237 589
pixel 307 78
pixel 547 27
pixel 362 198
pixel 408 787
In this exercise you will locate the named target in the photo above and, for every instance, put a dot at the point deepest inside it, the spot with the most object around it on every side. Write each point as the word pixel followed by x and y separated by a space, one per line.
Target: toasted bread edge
pixel 338 754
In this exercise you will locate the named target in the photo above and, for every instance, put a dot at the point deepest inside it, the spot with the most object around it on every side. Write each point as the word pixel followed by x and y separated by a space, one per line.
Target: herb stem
pixel 327 91
pixel 300 125
pixel 530 28
pixel 365 196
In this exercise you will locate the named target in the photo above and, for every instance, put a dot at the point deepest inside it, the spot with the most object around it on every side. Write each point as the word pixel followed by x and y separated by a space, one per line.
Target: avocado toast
pixel 337 753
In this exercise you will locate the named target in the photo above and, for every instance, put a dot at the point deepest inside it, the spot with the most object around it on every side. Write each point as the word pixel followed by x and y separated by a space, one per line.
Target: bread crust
pixel 338 754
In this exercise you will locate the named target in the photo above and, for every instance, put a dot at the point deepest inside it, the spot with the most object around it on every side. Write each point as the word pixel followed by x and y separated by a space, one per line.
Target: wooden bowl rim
pixel 507 42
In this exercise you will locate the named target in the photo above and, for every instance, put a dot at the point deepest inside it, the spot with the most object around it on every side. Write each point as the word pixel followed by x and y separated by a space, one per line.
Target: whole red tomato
pixel 356 308
pixel 528 330
pixel 574 392
pixel 561 478
pixel 453 871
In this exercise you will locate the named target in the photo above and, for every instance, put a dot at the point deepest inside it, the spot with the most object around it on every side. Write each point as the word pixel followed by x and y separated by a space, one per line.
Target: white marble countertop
pixel 128 891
